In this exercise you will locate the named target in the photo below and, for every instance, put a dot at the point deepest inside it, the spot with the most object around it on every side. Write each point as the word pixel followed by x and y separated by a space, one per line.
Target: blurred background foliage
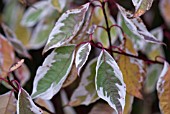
pixel 152 19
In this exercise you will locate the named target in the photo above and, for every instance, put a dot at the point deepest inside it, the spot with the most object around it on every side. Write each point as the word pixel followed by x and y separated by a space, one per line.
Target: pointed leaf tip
pixel 66 27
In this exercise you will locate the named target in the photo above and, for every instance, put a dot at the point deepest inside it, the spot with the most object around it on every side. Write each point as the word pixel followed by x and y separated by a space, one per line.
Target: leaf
pixel 33 15
pixel 133 70
pixel 41 32
pixel 66 27
pixel 109 82
pixel 7 56
pixel 9 12
pixel 154 50
pixel 23 74
pixel 45 103
pixel 153 72
pixel 71 77
pixel 137 41
pixel 102 108
pixel 85 93
pixel 141 6
pixel 82 56
pixel 8 103
pixel 22 33
pixel 58 4
pixel 137 27
pixel 64 100
pixel 128 103
pixel 16 65
pixel 102 34
pixel 163 89
pixel 54 71
pixel 164 7
pixel 25 105
pixel 18 46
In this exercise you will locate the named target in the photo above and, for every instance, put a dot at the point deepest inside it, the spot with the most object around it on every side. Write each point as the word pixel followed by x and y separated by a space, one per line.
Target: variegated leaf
pixel 8 103
pixel 132 69
pixel 25 104
pixel 137 41
pixel 86 92
pixel 137 26
pixel 82 56
pixel 141 6
pixel 58 4
pixel 109 82
pixel 33 15
pixel 66 27
pixel 54 71
pixel 163 89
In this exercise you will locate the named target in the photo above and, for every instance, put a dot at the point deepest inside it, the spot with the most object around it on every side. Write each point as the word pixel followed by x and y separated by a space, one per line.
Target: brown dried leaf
pixel 6 56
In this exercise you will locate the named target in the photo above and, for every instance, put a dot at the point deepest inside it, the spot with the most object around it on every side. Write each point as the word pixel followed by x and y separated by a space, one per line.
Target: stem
pixel 107 27
pixel 129 55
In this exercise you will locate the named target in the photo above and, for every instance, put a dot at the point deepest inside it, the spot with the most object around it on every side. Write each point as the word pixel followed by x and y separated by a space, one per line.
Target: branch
pixel 107 27
pixel 129 55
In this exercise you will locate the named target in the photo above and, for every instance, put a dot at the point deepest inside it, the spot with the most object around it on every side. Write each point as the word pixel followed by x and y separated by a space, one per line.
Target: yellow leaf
pixel 22 33
pixel 133 70
pixel 163 88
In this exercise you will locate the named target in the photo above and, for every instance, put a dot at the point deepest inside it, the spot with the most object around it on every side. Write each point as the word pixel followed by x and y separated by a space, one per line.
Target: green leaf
pixel 109 82
pixel 58 4
pixel 152 75
pixel 86 93
pixel 41 32
pixel 141 6
pixel 82 56
pixel 8 103
pixel 54 71
pixel 32 15
pixel 66 27
pixel 25 105
pixel 137 26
